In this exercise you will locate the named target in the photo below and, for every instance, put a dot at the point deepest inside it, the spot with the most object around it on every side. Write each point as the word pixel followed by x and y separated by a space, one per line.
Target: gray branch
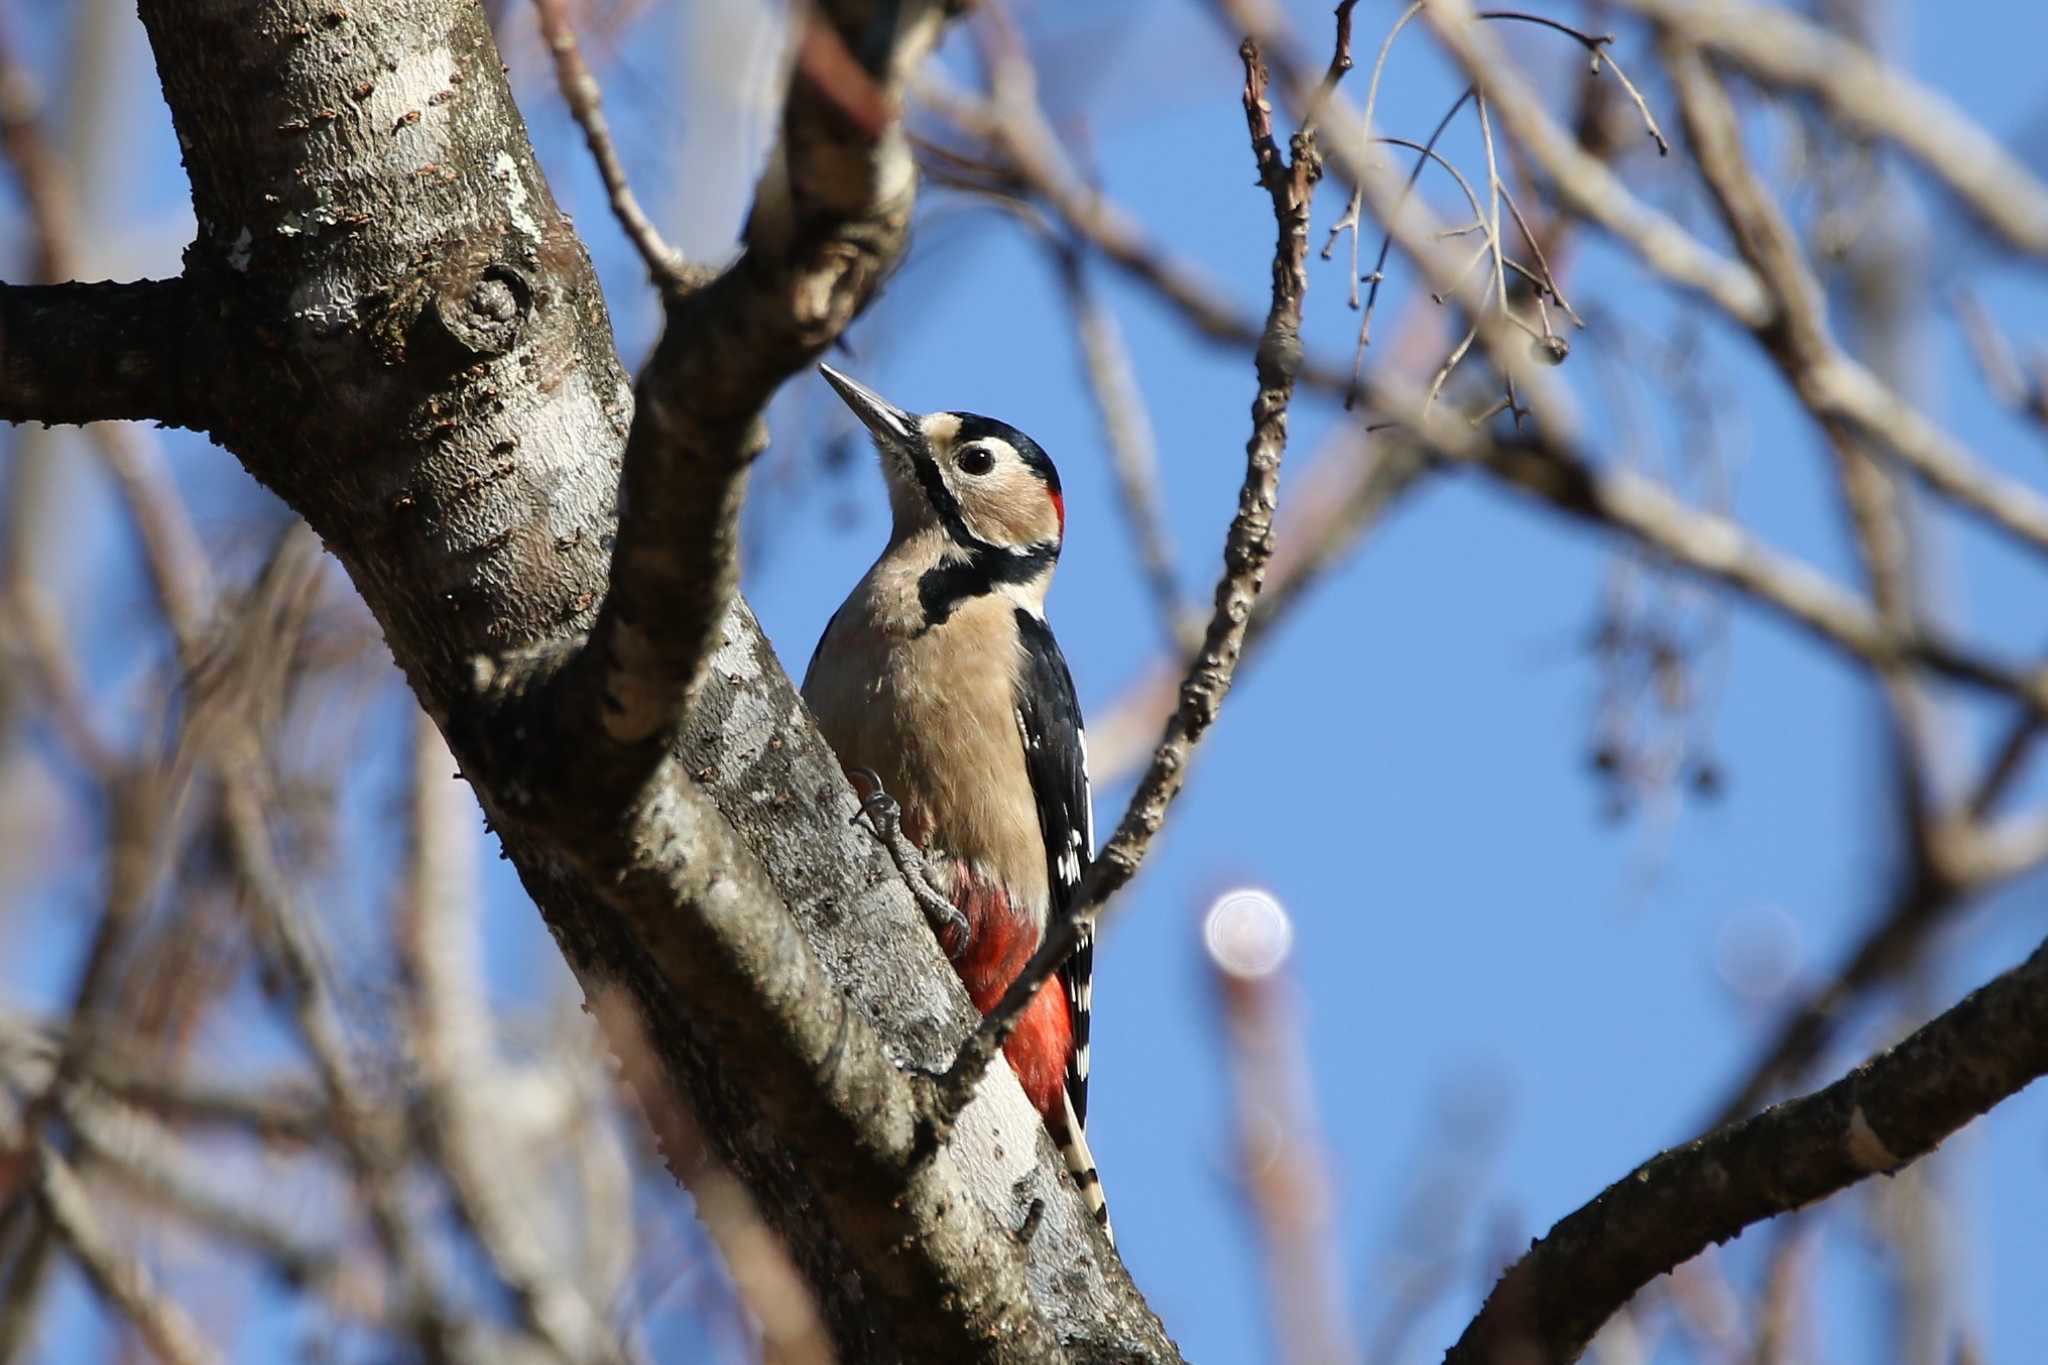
pixel 1882 1116
pixel 829 220
pixel 421 365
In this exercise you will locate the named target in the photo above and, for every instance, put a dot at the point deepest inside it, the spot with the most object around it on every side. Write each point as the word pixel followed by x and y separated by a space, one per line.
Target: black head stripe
pixel 992 562
pixel 973 426
pixel 941 498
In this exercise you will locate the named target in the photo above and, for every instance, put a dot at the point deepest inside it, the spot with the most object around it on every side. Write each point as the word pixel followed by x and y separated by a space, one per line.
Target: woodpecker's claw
pixel 885 819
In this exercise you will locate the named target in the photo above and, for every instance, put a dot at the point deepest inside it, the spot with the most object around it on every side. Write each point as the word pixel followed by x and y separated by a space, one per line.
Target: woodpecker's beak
pixel 895 429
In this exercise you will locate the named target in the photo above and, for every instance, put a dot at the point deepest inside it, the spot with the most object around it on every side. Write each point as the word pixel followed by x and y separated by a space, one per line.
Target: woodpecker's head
pixel 985 484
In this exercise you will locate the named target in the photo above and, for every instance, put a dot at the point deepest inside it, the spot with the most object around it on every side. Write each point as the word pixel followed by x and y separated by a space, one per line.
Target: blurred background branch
pixel 285 1064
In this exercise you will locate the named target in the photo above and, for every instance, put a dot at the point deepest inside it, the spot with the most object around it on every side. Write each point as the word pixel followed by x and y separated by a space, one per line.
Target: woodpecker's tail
pixel 1073 1145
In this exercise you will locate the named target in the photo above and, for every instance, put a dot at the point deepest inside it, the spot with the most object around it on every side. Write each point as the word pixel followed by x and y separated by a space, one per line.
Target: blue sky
pixel 1405 765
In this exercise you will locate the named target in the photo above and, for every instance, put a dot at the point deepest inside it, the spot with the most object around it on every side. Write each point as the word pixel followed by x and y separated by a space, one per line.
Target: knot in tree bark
pixel 483 314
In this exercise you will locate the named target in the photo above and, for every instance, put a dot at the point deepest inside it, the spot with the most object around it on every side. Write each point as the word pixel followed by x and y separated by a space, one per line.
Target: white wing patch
pixel 1087 790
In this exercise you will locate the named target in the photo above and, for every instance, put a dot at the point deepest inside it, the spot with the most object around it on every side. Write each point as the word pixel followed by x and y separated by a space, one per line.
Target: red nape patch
pixel 1059 508
pixel 1002 941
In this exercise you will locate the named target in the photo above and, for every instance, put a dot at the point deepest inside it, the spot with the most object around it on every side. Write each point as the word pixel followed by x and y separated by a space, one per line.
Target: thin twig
pixel 1340 63
pixel 1834 386
pixel 1289 182
pixel 765 1278
pixel 1550 467
pixel 361 1129
pixel 1601 46
pixel 142 1154
pixel 1799 343
pixel 1035 163
pixel 1777 46
pixel 665 266
pixel 1379 65
pixel 1886 1113
pixel 28 1253
pixel 1547 284
pixel 1425 153
pixel 2024 392
pixel 1133 456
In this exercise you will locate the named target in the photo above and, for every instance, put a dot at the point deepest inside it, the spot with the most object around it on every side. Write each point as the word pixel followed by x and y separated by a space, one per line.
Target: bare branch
pixel 665 267
pixel 1798 341
pixel 460 1071
pixel 171 547
pixel 120 1280
pixel 1600 46
pixel 30 1247
pixel 142 1154
pixel 1888 1112
pixel 77 353
pixel 1778 47
pixel 362 1127
pixel 1585 183
pixel 1712 546
pixel 1128 432
pixel 828 222
pixel 1832 384
pixel 756 1258
pixel 2023 389
pixel 1247 547
pixel 1549 468
pixel 1034 153
pixel 470 494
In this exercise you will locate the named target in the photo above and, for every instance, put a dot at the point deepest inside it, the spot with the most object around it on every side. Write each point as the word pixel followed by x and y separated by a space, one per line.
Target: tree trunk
pixel 387 320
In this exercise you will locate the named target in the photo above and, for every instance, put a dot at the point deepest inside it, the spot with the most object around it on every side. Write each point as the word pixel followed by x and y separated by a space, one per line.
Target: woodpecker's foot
pixel 885 817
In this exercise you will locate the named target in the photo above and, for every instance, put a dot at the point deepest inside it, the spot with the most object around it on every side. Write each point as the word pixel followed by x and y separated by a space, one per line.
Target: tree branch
pixel 665 267
pixel 1127 431
pixel 1835 386
pixel 1548 464
pixel 829 219
pixel 118 1278
pixel 451 421
pixel 1778 47
pixel 1289 182
pixel 461 1073
pixel 1888 1112
pixel 77 353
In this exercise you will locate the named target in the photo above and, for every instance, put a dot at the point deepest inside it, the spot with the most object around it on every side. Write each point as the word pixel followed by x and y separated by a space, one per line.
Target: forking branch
pixel 1289 181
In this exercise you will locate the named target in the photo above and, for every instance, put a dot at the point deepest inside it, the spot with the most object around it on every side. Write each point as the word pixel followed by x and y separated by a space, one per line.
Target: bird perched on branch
pixel 942 690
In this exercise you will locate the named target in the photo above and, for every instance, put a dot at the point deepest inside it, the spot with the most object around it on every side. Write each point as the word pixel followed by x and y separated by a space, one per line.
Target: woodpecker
pixel 939 682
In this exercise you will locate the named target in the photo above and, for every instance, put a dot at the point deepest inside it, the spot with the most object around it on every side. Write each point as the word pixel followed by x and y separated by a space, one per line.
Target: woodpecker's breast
pixel 932 709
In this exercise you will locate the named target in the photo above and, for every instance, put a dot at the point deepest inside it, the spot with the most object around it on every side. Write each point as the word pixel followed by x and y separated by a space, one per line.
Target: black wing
pixel 1056 758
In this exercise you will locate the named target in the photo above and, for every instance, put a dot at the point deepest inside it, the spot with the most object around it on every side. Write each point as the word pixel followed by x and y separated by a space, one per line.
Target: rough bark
pixel 403 338
pixel 1878 1119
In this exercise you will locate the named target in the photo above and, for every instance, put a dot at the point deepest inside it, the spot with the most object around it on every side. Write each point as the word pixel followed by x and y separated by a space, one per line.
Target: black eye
pixel 976 460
